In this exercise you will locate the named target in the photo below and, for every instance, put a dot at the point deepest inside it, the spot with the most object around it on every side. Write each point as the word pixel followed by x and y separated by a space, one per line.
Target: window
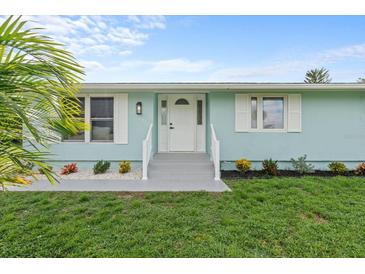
pixel 164 112
pixel 80 136
pixel 199 112
pixel 267 113
pixel 181 101
pixel 102 119
pixel 253 112
pixel 273 112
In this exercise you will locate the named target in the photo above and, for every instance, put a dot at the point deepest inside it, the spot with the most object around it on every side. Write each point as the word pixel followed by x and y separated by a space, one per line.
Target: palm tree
pixel 317 76
pixel 38 84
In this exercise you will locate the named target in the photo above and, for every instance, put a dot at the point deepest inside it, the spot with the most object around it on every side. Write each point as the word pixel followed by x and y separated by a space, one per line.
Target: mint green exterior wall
pixel 87 154
pixel 333 129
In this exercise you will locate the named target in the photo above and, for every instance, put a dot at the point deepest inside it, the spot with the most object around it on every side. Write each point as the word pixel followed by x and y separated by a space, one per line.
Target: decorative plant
pixel 243 165
pixel 101 167
pixel 301 165
pixel 337 167
pixel 360 169
pixel 70 168
pixel 124 166
pixel 270 167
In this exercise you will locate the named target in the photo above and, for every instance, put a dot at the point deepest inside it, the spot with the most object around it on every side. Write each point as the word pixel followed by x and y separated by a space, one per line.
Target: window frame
pixel 260 117
pixel 90 120
pixel 117 119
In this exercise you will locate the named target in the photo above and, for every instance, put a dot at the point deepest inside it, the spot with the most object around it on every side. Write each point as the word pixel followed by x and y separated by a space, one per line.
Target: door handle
pixel 172 127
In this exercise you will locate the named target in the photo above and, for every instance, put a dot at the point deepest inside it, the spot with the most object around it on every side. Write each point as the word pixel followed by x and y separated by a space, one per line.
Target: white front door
pixel 181 126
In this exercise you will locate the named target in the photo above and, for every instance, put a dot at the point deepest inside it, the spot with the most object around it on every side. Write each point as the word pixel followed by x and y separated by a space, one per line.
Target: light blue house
pixel 228 121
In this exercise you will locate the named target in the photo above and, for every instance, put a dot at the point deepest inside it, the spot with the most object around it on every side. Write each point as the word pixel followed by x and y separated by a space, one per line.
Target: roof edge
pixel 219 86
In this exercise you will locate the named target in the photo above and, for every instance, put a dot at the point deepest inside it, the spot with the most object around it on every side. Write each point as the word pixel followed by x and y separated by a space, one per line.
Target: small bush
pixel 243 165
pixel 124 166
pixel 101 167
pixel 360 169
pixel 301 165
pixel 42 170
pixel 270 167
pixel 70 168
pixel 337 167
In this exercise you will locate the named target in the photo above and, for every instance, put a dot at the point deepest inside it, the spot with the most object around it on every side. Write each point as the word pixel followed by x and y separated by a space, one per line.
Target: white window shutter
pixel 294 113
pixel 242 112
pixel 121 119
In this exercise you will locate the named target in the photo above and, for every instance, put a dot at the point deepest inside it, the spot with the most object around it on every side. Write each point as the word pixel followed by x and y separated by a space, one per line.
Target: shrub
pixel 337 167
pixel 301 165
pixel 70 168
pixel 42 170
pixel 124 166
pixel 101 167
pixel 360 169
pixel 270 167
pixel 243 165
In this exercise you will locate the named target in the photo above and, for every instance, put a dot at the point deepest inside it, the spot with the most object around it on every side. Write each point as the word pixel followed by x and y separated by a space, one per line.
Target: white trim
pixel 242 112
pixel 294 113
pixel 121 118
pixel 205 87
pixel 200 130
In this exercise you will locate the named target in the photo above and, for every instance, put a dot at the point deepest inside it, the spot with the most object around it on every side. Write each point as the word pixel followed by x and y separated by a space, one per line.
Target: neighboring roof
pixel 221 86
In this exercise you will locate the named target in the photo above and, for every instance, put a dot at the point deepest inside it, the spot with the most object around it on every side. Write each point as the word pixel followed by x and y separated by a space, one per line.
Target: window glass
pixel 102 130
pixel 253 112
pixel 181 101
pixel 80 136
pixel 101 107
pixel 163 112
pixel 102 114
pixel 199 111
pixel 273 112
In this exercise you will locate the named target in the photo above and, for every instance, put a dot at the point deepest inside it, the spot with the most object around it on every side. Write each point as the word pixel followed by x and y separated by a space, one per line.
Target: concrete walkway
pixel 125 185
pixel 166 172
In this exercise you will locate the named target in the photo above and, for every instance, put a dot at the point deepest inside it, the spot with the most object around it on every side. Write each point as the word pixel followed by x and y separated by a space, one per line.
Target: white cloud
pixel 125 52
pixel 97 35
pixel 92 65
pixel 354 51
pixel 282 67
pixel 148 21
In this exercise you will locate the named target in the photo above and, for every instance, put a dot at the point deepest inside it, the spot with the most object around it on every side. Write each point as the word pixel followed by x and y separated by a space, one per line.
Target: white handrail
pixel 146 151
pixel 215 152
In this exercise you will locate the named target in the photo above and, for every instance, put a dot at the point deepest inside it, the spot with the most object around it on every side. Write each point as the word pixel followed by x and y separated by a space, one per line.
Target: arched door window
pixel 181 101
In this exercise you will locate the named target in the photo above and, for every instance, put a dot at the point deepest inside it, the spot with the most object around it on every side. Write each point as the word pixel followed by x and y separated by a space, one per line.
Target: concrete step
pixel 181 167
pixel 180 177
pixel 178 165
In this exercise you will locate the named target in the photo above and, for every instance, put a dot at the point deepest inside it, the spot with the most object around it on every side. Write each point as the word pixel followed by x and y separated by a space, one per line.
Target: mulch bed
pixel 233 174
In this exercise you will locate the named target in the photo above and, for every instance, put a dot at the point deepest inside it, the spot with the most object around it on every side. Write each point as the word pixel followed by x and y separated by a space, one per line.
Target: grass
pixel 280 217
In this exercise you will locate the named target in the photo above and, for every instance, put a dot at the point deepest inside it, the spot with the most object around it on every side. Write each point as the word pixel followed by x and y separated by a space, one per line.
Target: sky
pixel 210 48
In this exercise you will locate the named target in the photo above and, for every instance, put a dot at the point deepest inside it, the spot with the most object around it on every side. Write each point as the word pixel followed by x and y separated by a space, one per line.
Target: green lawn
pixel 307 217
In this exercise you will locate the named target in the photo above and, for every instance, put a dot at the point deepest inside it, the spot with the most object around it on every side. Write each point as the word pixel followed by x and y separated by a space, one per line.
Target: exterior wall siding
pixel 333 129
pixel 87 154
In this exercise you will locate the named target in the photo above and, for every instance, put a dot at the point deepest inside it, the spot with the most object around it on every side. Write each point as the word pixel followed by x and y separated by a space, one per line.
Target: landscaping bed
pixel 88 174
pixel 234 174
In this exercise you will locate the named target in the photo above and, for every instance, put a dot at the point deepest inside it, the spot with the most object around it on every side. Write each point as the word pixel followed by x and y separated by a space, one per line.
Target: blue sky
pixel 211 48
